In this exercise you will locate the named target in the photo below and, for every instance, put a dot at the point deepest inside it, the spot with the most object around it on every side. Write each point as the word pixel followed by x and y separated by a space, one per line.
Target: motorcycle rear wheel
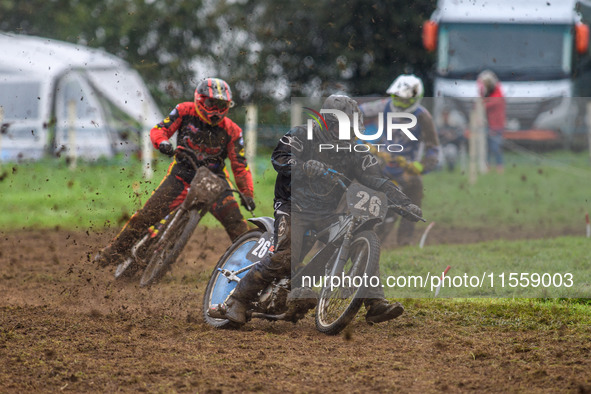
pixel 219 287
pixel 175 235
pixel 337 307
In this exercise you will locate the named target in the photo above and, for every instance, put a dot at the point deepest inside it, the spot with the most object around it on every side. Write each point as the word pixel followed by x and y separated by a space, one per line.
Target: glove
pixel 314 168
pixel 401 161
pixel 248 203
pixel 166 148
pixel 381 155
pixel 414 168
pixel 409 210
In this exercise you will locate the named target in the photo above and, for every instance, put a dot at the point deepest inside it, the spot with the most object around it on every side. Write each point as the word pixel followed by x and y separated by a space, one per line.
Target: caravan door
pixel 81 130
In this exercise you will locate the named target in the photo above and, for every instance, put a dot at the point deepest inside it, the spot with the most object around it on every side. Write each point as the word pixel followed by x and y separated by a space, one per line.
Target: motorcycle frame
pixel 204 189
pixel 345 230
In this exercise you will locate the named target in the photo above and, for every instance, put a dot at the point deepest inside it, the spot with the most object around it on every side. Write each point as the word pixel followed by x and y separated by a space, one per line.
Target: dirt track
pixel 65 325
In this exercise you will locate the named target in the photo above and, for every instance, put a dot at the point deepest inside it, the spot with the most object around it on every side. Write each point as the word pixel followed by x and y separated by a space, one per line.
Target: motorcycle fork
pixel 137 246
pixel 166 233
pixel 170 224
pixel 343 253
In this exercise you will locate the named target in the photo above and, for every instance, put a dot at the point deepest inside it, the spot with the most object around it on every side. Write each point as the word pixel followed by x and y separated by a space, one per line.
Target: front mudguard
pixel 368 225
pixel 265 223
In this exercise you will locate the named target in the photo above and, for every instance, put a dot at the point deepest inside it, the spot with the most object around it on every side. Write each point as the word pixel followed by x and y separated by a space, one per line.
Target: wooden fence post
pixel 72 148
pixel 251 136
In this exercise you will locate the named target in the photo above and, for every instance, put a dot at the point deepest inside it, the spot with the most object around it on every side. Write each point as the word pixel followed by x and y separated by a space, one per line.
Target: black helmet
pixel 344 104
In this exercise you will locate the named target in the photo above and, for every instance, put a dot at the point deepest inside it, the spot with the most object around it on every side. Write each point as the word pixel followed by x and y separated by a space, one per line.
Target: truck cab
pixel 534 47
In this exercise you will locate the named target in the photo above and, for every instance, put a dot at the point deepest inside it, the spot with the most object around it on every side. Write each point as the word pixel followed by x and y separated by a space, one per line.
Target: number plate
pixel 261 248
pixel 365 202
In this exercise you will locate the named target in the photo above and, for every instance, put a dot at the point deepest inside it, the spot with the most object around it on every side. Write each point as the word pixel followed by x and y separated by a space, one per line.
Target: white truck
pixel 57 97
pixel 537 49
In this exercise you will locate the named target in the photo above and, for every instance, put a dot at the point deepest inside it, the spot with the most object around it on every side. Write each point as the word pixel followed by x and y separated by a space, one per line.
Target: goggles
pixel 222 105
pixel 403 103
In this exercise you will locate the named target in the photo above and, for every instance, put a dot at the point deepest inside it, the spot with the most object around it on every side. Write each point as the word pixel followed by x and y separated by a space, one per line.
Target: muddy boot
pixel 108 256
pixel 380 310
pixel 232 309
pixel 236 305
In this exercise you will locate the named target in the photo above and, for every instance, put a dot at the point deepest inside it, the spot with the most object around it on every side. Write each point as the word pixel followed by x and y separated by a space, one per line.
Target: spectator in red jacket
pixel 201 126
pixel 494 101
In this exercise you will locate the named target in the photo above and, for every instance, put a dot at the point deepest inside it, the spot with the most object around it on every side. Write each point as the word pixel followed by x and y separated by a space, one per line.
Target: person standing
pixel 450 130
pixel 489 88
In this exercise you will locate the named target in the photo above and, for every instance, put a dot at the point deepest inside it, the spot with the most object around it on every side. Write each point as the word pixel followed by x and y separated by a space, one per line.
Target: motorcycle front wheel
pixel 175 235
pixel 338 305
pixel 219 285
pixel 128 268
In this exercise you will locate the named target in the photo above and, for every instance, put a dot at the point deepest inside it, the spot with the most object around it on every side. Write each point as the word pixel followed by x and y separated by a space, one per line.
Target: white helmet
pixel 407 92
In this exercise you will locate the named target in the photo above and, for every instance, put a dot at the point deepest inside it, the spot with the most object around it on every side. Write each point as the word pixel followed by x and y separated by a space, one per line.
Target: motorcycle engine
pixel 273 299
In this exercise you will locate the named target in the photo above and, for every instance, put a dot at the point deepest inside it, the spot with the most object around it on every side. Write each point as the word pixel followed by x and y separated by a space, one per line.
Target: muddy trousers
pixel 290 249
pixel 171 192
pixel 412 186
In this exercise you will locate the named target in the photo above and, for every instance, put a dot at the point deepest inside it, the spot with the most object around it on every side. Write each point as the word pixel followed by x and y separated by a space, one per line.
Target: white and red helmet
pixel 213 99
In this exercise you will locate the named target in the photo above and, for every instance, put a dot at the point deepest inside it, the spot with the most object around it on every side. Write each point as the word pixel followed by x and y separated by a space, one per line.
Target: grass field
pixel 506 313
pixel 541 268
pixel 104 194
pixel 66 325
pixel 533 193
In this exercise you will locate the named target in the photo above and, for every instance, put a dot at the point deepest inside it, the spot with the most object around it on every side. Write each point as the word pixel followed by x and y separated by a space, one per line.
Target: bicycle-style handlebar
pixel 338 178
pixel 397 207
pixel 335 176
pixel 191 156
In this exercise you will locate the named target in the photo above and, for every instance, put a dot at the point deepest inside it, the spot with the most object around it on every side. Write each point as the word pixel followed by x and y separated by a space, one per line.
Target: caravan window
pixel 20 100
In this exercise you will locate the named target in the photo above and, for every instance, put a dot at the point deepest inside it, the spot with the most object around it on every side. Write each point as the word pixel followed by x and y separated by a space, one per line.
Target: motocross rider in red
pixel 201 126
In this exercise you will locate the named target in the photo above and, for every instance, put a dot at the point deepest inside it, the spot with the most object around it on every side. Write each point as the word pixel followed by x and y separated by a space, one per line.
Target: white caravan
pixel 61 98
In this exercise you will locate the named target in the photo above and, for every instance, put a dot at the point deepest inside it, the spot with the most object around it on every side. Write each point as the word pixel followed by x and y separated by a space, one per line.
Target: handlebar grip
pixel 242 198
pixel 399 209
pixel 337 175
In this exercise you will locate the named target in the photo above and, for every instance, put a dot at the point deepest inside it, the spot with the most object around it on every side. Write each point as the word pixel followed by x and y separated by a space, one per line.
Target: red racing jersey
pixel 213 144
pixel 495 110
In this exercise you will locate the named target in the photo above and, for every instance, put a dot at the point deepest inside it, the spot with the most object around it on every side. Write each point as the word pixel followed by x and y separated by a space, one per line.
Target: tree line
pixel 268 50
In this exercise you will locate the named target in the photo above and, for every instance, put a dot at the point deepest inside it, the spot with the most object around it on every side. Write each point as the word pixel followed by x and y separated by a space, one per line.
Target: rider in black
pixel 313 201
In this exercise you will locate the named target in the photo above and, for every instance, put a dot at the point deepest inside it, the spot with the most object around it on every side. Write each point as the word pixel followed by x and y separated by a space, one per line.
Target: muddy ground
pixel 67 326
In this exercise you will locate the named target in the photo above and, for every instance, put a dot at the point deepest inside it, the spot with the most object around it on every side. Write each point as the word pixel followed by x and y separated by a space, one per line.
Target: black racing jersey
pixel 317 195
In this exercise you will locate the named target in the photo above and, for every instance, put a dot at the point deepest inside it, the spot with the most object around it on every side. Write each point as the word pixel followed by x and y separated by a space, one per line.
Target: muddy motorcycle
pixel 349 249
pixel 159 248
